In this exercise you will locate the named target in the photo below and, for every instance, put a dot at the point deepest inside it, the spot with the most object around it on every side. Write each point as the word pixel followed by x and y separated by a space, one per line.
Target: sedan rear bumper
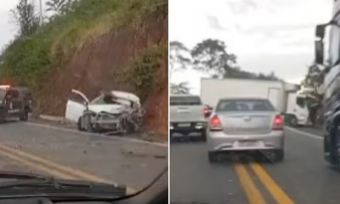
pixel 219 141
pixel 187 127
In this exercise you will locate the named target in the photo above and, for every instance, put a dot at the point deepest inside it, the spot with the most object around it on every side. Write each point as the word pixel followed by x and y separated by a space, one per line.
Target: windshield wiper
pixel 19 175
pixel 29 182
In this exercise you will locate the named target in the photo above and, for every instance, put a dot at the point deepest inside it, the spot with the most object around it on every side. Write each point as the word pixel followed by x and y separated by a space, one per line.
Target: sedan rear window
pixel 185 101
pixel 244 105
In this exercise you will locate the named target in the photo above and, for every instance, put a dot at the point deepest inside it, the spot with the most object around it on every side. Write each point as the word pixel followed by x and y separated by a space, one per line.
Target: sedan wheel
pixel 86 121
pixel 79 124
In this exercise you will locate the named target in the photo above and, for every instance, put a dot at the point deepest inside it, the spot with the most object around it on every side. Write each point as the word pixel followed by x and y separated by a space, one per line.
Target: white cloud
pixel 266 35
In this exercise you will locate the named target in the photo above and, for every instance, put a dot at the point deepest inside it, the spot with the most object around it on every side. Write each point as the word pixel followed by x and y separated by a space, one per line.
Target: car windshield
pixel 185 101
pixel 244 105
pixel 57 58
pixel 109 99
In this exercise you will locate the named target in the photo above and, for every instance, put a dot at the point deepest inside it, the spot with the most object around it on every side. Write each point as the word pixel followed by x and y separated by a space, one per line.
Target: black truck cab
pixel 15 102
pixel 329 34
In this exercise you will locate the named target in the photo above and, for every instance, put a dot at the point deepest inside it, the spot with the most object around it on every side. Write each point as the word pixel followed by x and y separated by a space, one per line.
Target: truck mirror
pixel 320 31
pixel 319 52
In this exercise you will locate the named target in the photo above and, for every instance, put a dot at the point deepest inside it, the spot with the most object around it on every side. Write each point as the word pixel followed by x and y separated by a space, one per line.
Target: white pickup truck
pixel 188 115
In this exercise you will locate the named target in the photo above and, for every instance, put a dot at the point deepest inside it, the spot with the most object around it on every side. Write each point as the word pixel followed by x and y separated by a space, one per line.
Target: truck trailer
pixel 287 98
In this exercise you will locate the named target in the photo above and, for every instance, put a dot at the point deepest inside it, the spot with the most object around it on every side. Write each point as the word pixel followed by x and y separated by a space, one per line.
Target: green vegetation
pixel 29 58
pixel 143 69
pixel 209 56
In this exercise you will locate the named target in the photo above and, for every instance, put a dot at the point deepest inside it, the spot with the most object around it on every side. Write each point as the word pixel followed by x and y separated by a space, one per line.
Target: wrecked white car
pixel 118 112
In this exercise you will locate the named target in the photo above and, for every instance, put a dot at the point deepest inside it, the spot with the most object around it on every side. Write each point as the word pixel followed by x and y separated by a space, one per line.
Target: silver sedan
pixel 245 124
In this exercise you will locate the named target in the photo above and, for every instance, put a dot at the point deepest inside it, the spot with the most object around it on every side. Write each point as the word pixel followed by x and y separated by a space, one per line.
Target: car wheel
pixel 128 127
pixel 212 157
pixel 278 155
pixel 204 135
pixel 86 119
pixel 293 121
pixel 24 115
pixel 79 124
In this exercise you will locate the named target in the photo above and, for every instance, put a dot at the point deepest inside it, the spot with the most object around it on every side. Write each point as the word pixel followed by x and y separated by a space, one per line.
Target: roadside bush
pixel 141 74
pixel 28 60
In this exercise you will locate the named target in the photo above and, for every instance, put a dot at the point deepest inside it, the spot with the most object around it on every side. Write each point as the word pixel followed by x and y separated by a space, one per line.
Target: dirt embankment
pixel 100 65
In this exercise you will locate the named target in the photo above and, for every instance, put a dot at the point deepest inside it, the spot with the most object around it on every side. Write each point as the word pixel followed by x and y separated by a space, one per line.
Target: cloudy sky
pixel 266 35
pixel 8 27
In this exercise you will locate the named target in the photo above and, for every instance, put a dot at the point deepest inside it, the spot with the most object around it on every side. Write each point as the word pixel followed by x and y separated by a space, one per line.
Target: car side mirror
pixel 319 52
pixel 319 45
pixel 320 31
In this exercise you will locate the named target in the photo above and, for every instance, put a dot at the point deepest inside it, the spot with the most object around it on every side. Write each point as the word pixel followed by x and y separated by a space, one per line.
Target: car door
pixel 12 102
pixel 76 105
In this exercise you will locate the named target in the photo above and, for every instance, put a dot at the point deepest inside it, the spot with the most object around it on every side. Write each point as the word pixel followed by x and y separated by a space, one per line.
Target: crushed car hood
pixel 111 108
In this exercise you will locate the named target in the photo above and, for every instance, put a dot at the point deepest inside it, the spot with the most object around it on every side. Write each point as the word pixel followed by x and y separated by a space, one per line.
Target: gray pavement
pixel 302 178
pixel 117 160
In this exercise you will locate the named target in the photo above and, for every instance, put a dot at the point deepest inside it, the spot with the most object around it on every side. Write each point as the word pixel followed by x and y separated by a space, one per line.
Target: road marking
pixel 253 194
pixel 96 134
pixel 304 133
pixel 55 167
pixel 37 166
pixel 279 195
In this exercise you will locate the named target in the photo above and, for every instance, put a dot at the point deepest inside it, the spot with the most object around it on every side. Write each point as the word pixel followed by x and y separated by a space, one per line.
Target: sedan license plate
pixel 247 143
pixel 184 125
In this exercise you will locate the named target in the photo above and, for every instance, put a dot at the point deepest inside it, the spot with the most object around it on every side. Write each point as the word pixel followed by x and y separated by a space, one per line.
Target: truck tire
pixel 204 135
pixel 24 115
pixel 293 121
pixel 336 149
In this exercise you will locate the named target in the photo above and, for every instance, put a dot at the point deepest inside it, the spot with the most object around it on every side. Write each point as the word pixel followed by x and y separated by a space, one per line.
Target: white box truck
pixel 287 99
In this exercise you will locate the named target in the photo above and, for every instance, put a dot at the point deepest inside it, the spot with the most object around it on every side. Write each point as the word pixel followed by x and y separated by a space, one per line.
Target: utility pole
pixel 41 12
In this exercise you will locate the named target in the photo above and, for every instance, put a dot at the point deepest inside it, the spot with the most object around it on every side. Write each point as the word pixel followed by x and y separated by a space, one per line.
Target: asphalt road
pixel 302 178
pixel 65 153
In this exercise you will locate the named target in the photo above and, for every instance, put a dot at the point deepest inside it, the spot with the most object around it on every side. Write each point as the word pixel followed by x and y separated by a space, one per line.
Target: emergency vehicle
pixel 15 103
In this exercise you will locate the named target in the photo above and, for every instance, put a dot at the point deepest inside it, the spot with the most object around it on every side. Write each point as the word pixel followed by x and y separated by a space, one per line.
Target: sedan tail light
pixel 215 124
pixel 278 123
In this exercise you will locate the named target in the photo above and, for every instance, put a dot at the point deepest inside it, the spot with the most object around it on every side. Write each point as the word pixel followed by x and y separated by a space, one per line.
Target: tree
pixel 211 56
pixel 24 15
pixel 181 88
pixel 178 60
pixel 313 80
pixel 56 5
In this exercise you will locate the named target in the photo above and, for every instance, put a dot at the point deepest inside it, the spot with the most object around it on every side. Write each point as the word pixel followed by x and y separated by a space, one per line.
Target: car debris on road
pixel 115 111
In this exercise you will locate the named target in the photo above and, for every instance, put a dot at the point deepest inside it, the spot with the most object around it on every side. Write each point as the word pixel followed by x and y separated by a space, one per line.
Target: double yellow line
pixel 252 192
pixel 49 167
